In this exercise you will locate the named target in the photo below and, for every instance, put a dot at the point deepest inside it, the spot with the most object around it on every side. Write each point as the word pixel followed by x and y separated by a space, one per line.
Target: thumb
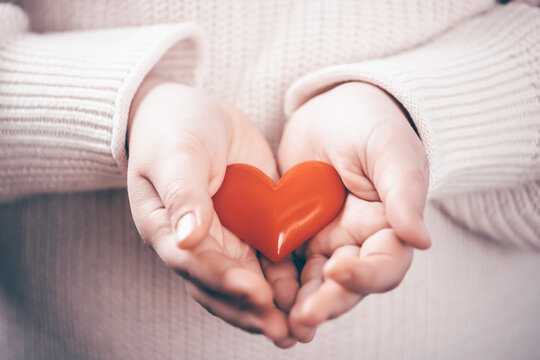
pixel 173 150
pixel 182 184
pixel 400 173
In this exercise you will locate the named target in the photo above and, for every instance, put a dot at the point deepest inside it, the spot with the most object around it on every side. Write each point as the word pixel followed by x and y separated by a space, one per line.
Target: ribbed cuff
pixel 65 100
pixel 13 20
pixel 474 95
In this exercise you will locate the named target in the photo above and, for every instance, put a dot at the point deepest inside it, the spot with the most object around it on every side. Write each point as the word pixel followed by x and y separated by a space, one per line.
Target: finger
pixel 173 149
pixel 357 221
pixel 206 265
pixel 182 183
pixel 286 343
pixel 269 321
pixel 378 266
pixel 283 277
pixel 399 169
pixel 246 256
pixel 149 214
pixel 209 268
pixel 311 280
pixel 328 302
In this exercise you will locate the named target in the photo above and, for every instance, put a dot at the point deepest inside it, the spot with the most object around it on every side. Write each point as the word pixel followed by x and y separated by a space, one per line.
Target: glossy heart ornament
pixel 277 218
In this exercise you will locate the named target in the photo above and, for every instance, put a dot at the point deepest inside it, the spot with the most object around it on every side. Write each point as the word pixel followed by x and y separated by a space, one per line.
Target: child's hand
pixel 180 142
pixel 362 132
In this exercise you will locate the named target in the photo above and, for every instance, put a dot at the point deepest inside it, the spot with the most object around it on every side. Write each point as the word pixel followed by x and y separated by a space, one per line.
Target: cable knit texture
pixel 65 98
pixel 75 281
pixel 476 104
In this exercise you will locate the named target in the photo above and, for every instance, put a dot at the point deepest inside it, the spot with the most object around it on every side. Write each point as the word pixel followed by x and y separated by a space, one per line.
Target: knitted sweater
pixel 75 281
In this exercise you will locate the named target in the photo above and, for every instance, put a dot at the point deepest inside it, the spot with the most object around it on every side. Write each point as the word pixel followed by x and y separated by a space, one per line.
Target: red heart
pixel 276 219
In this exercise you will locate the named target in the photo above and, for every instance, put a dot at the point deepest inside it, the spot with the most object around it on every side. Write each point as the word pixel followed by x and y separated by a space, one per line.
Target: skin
pixel 356 127
pixel 368 248
pixel 179 142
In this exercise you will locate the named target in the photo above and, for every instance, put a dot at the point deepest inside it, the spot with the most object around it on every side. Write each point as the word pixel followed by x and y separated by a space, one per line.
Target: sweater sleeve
pixel 474 96
pixel 65 99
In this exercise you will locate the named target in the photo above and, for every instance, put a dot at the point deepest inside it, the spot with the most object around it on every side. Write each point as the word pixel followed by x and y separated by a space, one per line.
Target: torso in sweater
pixel 256 49
pixel 76 283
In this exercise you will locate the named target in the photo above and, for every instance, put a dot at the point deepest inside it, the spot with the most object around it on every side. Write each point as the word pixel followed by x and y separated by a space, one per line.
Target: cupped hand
pixel 180 142
pixel 361 131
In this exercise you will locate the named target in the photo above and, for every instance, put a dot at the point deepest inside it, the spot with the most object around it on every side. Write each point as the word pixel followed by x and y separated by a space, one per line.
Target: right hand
pixel 180 142
pixel 363 132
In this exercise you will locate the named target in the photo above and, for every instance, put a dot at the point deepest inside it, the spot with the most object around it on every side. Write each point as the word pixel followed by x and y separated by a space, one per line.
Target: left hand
pixel 360 130
pixel 180 142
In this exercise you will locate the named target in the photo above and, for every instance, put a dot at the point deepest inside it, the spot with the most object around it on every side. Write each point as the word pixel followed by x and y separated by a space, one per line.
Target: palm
pixel 175 167
pixel 240 277
pixel 360 239
pixel 382 163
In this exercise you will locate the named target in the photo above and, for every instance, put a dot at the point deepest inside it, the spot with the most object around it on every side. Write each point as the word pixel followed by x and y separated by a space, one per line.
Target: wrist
pixel 148 84
pixel 375 95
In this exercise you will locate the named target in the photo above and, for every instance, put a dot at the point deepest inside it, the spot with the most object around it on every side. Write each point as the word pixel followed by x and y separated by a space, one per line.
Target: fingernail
pixel 185 226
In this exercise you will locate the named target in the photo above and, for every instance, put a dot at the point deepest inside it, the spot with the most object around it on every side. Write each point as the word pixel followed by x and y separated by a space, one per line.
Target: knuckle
pixel 150 227
pixel 175 192
pixel 192 144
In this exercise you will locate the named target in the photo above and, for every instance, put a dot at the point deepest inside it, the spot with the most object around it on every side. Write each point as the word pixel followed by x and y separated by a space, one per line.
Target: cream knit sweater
pixel 75 282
